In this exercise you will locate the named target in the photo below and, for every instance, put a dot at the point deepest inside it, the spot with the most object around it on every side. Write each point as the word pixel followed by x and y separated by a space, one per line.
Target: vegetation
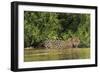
pixel 41 26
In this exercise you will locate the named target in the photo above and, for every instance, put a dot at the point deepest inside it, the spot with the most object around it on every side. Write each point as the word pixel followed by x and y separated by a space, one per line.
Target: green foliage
pixel 40 26
pixel 84 30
